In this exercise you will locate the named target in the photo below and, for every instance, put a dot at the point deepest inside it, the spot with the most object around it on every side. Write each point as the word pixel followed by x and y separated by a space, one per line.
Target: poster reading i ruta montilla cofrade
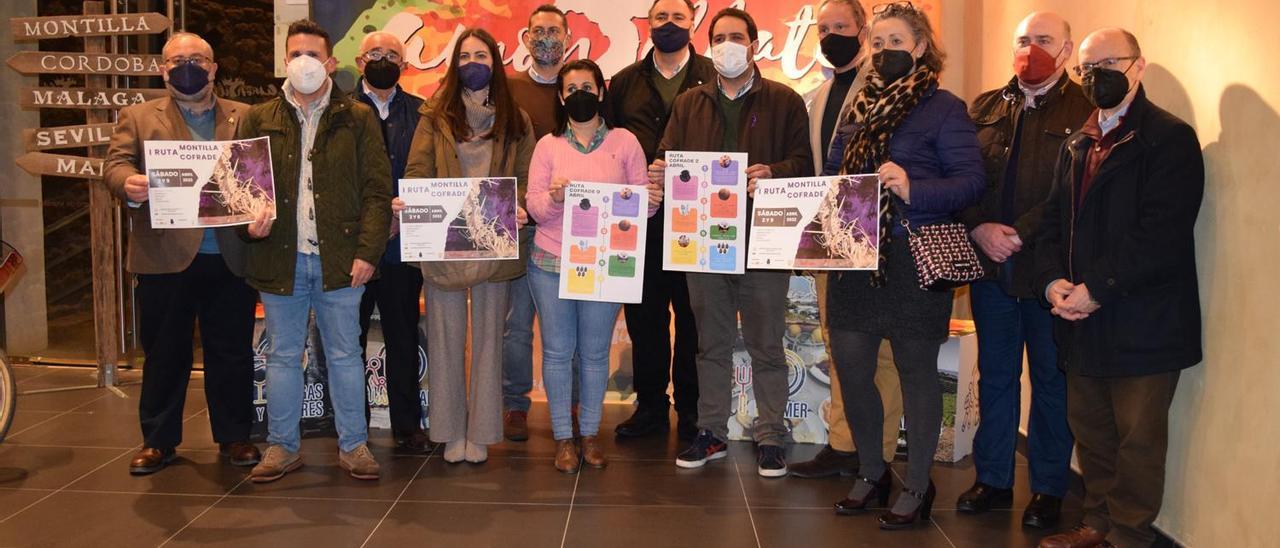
pixel 601 250
pixel 706 212
pixel 463 219
pixel 816 223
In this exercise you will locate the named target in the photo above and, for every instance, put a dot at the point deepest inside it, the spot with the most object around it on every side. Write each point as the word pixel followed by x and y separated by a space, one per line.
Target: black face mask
pixel 839 49
pixel 1105 88
pixel 582 106
pixel 893 64
pixel 381 74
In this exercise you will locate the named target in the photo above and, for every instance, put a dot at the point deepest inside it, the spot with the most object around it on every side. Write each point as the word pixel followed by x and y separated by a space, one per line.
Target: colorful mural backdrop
pixel 614 33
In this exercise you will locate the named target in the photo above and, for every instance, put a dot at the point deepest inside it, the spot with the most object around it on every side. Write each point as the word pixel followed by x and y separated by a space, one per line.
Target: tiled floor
pixel 64 482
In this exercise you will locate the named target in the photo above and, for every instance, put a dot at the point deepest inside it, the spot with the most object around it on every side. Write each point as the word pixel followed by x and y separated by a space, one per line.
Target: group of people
pixel 1080 197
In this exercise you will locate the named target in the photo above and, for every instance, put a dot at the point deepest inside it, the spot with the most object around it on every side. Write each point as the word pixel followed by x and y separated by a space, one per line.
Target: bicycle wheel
pixel 8 395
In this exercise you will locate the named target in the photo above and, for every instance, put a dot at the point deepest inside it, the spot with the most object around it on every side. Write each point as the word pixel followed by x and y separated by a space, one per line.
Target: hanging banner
pixel 458 219
pixel 706 212
pixel 816 223
pixel 601 243
pixel 208 183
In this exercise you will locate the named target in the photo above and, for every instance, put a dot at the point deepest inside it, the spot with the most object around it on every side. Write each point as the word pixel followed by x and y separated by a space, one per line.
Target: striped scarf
pixel 875 114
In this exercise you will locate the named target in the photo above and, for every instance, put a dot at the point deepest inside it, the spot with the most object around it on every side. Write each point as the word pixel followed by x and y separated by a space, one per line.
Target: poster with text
pixel 471 219
pixel 816 223
pixel 602 243
pixel 195 184
pixel 706 212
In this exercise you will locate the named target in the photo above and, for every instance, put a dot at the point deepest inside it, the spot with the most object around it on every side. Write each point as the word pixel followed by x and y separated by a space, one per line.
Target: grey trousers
pixel 717 300
pixel 456 415
pixel 917 360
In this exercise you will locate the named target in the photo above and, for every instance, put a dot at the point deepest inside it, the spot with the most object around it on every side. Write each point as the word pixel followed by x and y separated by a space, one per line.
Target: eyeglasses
pixel 540 32
pixel 378 55
pixel 175 62
pixel 1108 64
pixel 892 6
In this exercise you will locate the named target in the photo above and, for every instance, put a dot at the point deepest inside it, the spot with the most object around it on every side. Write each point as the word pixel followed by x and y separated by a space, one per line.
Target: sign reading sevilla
pixel 46 138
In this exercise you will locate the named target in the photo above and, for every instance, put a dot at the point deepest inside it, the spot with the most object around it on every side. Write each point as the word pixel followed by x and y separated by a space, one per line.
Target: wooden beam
pixel 49 138
pixel 124 24
pixel 102 218
pixel 64 62
pixel 62 165
pixel 84 98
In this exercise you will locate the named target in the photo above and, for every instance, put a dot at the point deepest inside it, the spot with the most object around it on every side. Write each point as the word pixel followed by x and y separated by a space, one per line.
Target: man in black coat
pixel 1116 261
pixel 1021 128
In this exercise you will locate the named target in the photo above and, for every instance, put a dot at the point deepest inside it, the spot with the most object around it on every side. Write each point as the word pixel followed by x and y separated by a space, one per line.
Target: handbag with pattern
pixel 944 256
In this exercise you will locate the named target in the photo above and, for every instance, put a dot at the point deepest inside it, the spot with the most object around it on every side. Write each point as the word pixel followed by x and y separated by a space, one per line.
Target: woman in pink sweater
pixel 582 148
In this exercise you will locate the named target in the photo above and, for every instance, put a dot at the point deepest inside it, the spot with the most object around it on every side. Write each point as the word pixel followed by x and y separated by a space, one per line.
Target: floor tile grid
pixel 400 496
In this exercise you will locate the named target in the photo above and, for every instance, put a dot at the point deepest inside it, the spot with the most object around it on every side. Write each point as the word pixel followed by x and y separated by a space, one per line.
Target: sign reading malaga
pixel 39 28
pixel 106 98
pixel 43 62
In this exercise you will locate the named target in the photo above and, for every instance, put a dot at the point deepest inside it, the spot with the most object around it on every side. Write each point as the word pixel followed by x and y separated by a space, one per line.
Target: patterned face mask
pixel 547 50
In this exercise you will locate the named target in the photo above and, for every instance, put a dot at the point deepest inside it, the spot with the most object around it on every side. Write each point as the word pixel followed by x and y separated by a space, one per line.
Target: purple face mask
pixel 475 76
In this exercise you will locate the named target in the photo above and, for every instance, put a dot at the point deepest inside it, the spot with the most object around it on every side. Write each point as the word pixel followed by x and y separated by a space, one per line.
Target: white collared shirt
pixel 308 238
pixel 384 107
pixel 679 66
pixel 533 74
pixel 1031 95
pixel 1108 123
pixel 743 91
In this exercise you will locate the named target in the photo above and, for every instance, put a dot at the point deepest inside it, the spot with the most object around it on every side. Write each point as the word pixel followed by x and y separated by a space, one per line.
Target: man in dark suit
pixel 185 274
pixel 1116 261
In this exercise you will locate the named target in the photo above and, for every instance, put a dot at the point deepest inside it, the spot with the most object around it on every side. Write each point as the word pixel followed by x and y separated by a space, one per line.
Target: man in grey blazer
pixel 185 274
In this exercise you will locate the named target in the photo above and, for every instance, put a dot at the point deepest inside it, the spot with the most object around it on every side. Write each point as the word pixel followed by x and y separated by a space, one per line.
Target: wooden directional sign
pixel 48 138
pixel 82 98
pixel 51 62
pixel 43 163
pixel 38 28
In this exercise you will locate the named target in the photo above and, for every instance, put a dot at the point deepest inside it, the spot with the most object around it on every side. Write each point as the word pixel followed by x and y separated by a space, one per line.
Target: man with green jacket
pixel 333 200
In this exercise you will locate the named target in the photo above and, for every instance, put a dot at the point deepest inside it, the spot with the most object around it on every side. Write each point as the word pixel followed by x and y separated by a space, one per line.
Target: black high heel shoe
pixel 890 521
pixel 879 492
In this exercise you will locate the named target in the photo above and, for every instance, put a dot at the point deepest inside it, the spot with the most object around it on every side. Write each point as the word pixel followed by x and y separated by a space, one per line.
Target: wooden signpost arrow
pixel 48 138
pixel 87 98
pixel 63 165
pixel 124 24
pixel 65 62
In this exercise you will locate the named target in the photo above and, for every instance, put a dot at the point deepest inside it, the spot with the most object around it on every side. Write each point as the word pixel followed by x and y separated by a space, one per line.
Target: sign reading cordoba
pixel 45 62
pixel 43 163
pixel 86 97
pixel 37 28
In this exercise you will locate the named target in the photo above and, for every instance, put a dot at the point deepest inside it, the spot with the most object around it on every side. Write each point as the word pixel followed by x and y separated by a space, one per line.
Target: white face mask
pixel 730 58
pixel 306 74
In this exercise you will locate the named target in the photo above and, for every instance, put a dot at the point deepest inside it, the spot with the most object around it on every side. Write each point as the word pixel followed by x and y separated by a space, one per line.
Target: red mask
pixel 1033 64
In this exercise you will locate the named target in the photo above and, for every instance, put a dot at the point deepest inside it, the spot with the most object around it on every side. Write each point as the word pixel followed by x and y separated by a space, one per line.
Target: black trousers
pixel 396 294
pixel 168 306
pixel 649 326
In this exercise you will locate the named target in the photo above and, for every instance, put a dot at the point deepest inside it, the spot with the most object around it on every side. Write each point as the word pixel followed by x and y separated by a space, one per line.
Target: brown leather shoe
pixel 240 453
pixel 515 425
pixel 1081 536
pixel 567 456
pixel 276 462
pixel 151 460
pixel 359 463
pixel 592 454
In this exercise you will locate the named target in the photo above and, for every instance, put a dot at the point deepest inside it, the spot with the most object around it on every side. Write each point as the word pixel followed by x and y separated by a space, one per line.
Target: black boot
pixel 645 421
pixel 828 462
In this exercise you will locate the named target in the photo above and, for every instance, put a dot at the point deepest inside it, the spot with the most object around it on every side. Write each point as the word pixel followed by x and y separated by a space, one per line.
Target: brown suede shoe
pixel 240 453
pixel 515 425
pixel 276 462
pixel 1081 536
pixel 592 454
pixel 151 460
pixel 359 463
pixel 567 456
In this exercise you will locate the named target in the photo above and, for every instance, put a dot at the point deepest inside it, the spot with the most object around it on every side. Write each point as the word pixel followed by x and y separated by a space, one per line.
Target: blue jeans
pixel 338 319
pixel 1005 325
pixel 517 347
pixel 567 327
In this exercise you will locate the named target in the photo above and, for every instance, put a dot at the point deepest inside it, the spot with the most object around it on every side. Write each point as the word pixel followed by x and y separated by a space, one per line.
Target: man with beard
pixel 185 274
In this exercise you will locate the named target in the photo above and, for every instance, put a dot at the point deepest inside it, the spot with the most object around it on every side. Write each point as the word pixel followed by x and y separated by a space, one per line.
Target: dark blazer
pixel 169 250
pixel 938 148
pixel 397 134
pixel 1131 241
pixel 1058 113
pixel 634 103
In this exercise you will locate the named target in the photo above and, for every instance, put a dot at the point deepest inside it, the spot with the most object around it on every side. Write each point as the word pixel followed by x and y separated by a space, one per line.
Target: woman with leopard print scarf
pixel 921 142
